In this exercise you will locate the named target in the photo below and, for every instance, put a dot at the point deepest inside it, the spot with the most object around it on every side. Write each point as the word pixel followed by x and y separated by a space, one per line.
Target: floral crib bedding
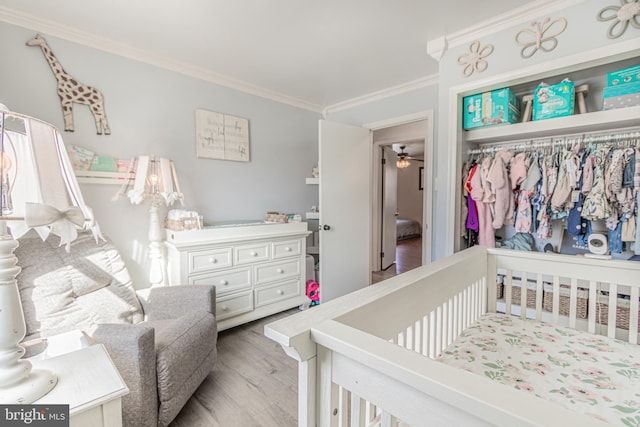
pixel 591 374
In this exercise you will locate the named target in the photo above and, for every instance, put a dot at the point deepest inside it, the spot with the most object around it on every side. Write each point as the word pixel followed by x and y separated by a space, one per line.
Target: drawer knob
pixel 224 282
pixel 254 253
pixel 288 249
pixel 213 260
pixel 225 308
pixel 279 270
pixel 280 292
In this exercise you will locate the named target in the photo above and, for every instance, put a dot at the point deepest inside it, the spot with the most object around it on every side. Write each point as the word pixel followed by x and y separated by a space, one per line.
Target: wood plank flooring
pixel 408 257
pixel 254 383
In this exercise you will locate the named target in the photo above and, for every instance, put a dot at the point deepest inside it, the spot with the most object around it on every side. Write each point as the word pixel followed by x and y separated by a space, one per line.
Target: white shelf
pixel 94 177
pixel 313 181
pixel 578 123
pixel 313 215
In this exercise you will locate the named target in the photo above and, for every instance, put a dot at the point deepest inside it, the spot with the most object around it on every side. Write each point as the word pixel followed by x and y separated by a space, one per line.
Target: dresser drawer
pixel 267 295
pixel 225 281
pixel 286 248
pixel 212 259
pixel 252 253
pixel 232 305
pixel 277 271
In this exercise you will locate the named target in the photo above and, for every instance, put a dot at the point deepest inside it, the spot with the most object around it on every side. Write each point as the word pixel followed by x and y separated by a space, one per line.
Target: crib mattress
pixel 590 374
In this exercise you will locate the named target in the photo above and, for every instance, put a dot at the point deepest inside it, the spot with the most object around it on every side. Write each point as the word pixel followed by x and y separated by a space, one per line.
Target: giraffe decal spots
pixel 71 91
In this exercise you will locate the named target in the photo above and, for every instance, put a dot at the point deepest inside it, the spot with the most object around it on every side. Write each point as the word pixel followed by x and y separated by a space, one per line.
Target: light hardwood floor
pixel 254 383
pixel 408 257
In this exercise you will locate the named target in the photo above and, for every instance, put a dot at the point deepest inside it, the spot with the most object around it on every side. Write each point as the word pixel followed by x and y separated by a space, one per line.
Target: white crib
pixel 355 370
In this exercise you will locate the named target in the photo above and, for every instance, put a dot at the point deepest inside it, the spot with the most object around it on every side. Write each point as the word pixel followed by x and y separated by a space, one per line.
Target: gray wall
pixel 151 111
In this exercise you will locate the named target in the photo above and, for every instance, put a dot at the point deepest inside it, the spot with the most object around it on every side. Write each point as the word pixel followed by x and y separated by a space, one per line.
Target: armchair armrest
pixel 170 302
pixel 132 349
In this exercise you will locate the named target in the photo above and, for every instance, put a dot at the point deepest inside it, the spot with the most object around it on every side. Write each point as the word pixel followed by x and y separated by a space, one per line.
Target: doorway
pixel 412 194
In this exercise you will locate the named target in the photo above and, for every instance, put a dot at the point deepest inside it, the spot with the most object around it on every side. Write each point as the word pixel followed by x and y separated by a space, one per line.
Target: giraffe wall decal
pixel 71 91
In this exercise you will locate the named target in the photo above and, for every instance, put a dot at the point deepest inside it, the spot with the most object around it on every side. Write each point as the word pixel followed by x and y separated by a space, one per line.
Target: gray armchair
pixel 162 340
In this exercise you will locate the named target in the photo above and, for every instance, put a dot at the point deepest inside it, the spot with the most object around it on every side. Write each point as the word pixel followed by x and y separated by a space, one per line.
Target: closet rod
pixel 620 136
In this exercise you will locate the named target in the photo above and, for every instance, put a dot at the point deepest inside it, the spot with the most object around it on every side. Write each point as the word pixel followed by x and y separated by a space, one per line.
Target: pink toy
pixel 313 292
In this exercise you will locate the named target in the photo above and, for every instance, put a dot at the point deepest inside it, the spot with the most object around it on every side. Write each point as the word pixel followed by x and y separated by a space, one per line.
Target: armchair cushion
pixel 61 291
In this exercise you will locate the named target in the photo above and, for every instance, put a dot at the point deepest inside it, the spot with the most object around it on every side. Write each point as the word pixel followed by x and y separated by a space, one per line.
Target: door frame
pixel 427 197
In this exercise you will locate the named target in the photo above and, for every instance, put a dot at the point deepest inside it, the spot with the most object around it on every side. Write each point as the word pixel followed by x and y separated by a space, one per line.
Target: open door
pixel 345 208
pixel 389 207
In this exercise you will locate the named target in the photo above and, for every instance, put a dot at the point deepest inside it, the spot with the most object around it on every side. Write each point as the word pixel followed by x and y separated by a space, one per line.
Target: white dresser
pixel 258 268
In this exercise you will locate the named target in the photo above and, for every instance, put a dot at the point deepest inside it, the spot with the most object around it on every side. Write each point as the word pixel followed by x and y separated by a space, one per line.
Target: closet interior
pixel 568 185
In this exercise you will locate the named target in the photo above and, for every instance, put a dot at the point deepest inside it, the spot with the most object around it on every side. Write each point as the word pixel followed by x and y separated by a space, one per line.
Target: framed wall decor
pixel 221 136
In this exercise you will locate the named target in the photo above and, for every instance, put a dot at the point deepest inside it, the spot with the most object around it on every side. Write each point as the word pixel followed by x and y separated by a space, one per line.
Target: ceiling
pixel 317 53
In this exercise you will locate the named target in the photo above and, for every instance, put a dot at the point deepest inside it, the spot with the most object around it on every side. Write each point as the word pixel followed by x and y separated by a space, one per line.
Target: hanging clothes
pixel 498 177
pixel 486 235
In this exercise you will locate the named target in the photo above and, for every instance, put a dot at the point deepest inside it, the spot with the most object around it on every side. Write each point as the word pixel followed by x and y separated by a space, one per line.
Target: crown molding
pixel 382 94
pixel 55 29
pixel 523 14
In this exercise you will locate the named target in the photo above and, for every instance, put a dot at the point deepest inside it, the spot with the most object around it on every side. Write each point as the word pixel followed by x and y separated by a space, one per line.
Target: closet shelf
pixel 578 123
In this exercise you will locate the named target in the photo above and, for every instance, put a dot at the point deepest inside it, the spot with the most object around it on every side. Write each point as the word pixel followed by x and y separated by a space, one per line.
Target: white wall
pixel 151 111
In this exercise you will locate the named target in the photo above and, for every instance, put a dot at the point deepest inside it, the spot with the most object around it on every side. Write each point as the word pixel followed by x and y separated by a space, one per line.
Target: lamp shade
pixel 156 178
pixel 39 187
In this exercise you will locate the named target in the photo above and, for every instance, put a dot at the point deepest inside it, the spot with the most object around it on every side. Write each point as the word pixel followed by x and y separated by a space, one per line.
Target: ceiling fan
pixel 403 158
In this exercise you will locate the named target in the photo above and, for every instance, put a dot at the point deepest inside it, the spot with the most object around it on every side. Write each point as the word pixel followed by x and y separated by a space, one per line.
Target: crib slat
pixel 328 391
pixel 613 309
pixel 508 292
pixel 573 301
pixel 633 315
pixel 524 290
pixel 539 290
pixel 591 310
pixel 357 416
pixel 556 299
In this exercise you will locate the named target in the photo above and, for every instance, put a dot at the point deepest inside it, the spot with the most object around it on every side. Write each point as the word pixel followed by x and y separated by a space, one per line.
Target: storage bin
pixel 582 302
pixel 490 108
pixel 622 312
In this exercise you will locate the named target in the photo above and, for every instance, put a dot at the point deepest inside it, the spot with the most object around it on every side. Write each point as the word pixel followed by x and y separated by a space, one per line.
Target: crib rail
pixel 366 358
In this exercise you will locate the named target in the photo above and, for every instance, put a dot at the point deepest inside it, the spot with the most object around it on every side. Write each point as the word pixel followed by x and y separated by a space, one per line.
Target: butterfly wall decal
pixel 541 37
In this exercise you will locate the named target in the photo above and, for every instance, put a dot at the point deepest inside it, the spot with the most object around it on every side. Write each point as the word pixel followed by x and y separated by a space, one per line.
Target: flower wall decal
pixel 474 60
pixel 627 13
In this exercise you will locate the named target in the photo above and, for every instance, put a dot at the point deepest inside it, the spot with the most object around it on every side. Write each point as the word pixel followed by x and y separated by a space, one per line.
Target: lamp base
pixel 31 388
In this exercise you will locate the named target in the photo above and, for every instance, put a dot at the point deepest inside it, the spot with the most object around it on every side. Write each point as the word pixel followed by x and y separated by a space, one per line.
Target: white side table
pixel 89 383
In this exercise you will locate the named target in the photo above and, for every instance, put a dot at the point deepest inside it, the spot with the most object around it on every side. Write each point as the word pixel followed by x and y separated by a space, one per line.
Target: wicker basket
pixel 181 224
pixel 582 302
pixel 276 217
pixel 622 312
pixel 516 292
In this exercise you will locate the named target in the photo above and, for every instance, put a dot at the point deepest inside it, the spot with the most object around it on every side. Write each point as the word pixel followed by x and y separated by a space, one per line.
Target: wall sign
pixel 221 136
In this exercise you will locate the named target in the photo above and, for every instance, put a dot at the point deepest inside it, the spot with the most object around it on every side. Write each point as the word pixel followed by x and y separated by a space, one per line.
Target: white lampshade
pixel 39 176
pixel 155 177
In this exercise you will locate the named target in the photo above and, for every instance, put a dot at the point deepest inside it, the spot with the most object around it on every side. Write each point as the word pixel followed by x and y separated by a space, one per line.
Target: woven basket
pixel 276 217
pixel 622 312
pixel 181 224
pixel 516 293
pixel 582 302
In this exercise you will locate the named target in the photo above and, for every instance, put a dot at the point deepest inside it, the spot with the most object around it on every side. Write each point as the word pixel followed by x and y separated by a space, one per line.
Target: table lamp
pixel 155 180
pixel 38 190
